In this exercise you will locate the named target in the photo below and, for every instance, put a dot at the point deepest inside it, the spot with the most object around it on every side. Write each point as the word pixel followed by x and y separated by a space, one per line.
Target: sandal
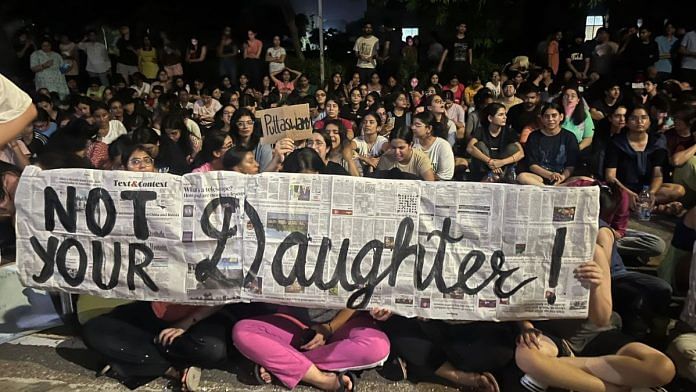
pixel 257 375
pixel 191 379
pixel 342 385
pixel 484 379
pixel 394 369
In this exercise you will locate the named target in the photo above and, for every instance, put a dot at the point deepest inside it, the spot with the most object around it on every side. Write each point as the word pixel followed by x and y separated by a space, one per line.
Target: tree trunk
pixel 289 15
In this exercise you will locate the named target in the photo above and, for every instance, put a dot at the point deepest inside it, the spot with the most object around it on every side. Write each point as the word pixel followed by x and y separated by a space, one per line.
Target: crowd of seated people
pixel 572 121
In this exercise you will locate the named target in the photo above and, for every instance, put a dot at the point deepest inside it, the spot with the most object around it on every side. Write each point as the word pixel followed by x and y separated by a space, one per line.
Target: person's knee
pixel 242 334
pixel 655 364
pixel 376 348
pixel 528 360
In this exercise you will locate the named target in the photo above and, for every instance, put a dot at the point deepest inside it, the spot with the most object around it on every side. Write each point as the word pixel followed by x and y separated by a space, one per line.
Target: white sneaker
pixel 531 384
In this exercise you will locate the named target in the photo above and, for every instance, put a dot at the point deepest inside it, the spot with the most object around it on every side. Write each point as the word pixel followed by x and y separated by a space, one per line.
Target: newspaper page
pixel 292 214
pixel 507 252
pixel 212 229
pixel 114 234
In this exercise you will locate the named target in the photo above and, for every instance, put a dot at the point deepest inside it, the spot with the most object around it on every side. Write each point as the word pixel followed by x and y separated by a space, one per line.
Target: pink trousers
pixel 273 342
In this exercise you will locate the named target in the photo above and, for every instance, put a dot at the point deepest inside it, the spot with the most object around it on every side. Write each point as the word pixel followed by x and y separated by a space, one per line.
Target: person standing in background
pixel 665 44
pixel 253 65
pixel 227 52
pixel 98 63
pixel 366 49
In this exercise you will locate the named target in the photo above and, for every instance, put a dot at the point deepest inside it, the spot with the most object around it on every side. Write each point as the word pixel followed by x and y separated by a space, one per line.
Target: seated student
pixel 577 118
pixel 676 264
pixel 635 160
pixel 495 146
pixel 369 144
pixel 551 152
pixel 342 149
pixel 591 354
pixel 205 108
pixel 332 113
pixel 243 134
pixel 141 341
pixel 602 108
pixel 404 157
pixel 638 297
pixel 215 145
pixel 524 118
pixel 316 346
pixel 607 128
pixel 240 160
pixel 438 149
pixel 681 143
pixel 321 143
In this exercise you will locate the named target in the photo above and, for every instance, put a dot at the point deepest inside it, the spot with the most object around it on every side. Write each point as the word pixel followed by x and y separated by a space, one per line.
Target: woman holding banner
pixel 141 341
pixel 243 134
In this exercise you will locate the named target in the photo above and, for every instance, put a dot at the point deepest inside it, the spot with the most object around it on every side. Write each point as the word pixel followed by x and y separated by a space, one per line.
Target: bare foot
pixel 479 382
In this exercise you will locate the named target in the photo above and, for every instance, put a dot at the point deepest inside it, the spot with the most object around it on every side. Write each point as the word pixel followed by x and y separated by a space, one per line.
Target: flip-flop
pixel 257 375
pixel 353 380
pixel 191 379
pixel 488 376
pixel 394 369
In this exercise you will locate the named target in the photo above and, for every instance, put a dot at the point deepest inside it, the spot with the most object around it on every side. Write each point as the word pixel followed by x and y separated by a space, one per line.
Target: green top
pixel 583 130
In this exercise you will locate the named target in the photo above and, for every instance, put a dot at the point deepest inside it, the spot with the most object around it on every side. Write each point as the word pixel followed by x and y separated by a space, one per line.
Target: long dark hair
pixel 234 129
pixel 234 156
pixel 342 133
pixel 304 159
pixel 176 121
pixel 404 133
pixel 213 141
pixel 490 110
pixel 578 115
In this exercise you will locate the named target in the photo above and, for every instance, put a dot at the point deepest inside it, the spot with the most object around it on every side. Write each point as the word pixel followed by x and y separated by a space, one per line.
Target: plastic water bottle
pixel 644 201
pixel 491 177
pixel 511 174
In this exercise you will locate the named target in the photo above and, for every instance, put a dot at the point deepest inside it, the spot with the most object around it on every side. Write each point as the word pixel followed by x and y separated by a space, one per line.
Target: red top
pixel 172 312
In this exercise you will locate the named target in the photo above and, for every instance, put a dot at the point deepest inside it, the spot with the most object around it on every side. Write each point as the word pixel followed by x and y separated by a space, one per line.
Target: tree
pixel 290 17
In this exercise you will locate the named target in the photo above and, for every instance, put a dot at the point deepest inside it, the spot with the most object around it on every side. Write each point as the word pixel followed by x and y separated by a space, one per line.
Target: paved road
pixel 52 363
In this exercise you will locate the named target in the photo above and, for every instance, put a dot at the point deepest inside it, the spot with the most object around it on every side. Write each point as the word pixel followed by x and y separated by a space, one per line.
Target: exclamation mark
pixel 556 256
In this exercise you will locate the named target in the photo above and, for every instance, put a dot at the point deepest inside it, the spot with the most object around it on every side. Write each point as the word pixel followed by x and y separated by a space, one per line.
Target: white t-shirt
pixel 367 46
pixel 275 52
pixel 143 91
pixel 206 112
pixel 689 43
pixel 13 101
pixel 451 132
pixel 116 129
pixel 97 57
pixel 441 156
pixel 364 148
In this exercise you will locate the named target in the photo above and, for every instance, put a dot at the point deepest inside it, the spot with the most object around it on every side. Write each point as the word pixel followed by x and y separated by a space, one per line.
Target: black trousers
pixel 427 345
pixel 125 337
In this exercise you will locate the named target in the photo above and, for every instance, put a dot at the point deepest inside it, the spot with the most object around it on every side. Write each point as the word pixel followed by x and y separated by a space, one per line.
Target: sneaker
pixel 531 384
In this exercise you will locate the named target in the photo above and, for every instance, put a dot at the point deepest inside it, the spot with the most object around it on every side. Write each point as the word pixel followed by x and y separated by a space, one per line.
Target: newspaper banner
pixel 291 121
pixel 464 251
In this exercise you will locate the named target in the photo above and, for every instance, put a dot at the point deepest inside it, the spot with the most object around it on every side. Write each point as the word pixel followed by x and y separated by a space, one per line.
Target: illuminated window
pixel 592 24
pixel 408 31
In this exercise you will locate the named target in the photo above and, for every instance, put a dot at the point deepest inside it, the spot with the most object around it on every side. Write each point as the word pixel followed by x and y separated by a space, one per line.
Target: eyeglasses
pixel 147 161
pixel 243 123
pixel 637 118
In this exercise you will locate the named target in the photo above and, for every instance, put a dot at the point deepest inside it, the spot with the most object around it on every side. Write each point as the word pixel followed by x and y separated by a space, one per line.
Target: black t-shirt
pixel 395 44
pixel 519 118
pixel 125 55
pixel 355 116
pixel 627 162
pixel 496 145
pixel 577 53
pixel 334 168
pixel 459 50
pixel 602 106
pixel 400 122
pixel 553 153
